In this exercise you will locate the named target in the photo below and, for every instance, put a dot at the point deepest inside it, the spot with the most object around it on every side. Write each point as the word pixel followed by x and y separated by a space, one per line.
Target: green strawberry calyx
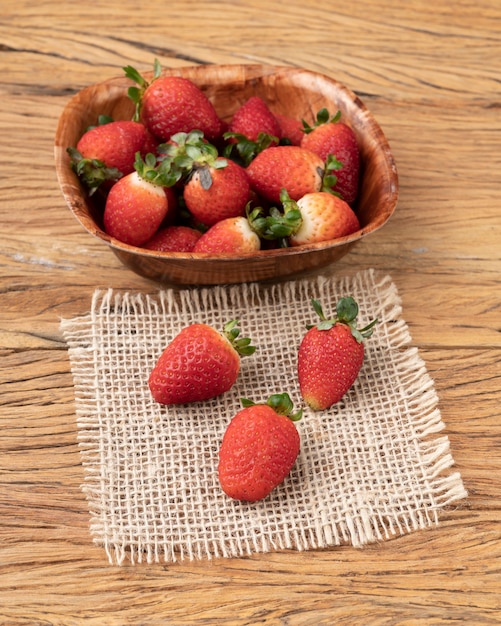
pixel 244 150
pixel 161 173
pixel 92 172
pixel 188 152
pixel 346 313
pixel 276 224
pixel 329 178
pixel 136 93
pixel 281 403
pixel 323 117
pixel 241 344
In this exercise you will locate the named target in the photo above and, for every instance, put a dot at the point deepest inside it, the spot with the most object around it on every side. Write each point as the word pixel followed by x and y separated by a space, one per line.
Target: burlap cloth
pixel 372 467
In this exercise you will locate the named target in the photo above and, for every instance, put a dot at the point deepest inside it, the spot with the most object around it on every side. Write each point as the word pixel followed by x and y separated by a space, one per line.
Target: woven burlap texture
pixel 375 465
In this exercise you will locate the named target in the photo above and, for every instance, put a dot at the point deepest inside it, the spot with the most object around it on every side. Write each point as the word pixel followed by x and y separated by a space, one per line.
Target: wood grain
pixel 430 75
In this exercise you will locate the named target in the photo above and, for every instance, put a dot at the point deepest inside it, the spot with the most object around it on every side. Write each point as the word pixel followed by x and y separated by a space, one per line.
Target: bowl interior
pixel 290 91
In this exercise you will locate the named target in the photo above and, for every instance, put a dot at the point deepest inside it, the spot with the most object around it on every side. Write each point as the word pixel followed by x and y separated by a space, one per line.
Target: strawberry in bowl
pixel 238 117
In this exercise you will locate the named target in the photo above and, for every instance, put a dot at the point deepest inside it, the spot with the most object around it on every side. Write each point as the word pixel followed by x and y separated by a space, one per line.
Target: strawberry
pixel 252 129
pixel 216 191
pixel 259 448
pixel 324 217
pixel 291 129
pixel 172 104
pixel 298 170
pixel 107 152
pixel 233 235
pixel 174 238
pixel 318 216
pixel 214 188
pixel 137 204
pixel 331 355
pixel 198 364
pixel 253 118
pixel 329 136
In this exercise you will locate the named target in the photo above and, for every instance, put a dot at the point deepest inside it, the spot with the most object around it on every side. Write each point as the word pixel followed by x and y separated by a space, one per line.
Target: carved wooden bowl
pixel 291 91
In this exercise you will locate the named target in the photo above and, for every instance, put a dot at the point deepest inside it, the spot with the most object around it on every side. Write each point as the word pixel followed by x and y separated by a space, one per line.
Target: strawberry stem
pixel 246 150
pixel 329 179
pixel 243 344
pixel 163 174
pixel 277 225
pixel 323 117
pixel 188 152
pixel 92 172
pixel 136 93
pixel 346 313
pixel 281 403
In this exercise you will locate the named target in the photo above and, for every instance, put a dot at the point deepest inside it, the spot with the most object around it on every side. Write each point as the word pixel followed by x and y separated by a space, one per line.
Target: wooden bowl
pixel 295 92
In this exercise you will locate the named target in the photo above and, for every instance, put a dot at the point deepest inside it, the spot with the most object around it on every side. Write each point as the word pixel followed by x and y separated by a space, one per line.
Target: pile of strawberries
pixel 261 443
pixel 178 178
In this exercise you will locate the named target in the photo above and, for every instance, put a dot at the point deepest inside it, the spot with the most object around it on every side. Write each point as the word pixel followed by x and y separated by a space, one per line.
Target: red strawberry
pixel 137 204
pixel 259 448
pixel 329 136
pixel 216 191
pixel 172 104
pixel 107 152
pixel 174 238
pixel 252 118
pixel 324 217
pixel 290 128
pixel 298 170
pixel 331 354
pixel 213 188
pixel 199 363
pixel 252 129
pixel 233 235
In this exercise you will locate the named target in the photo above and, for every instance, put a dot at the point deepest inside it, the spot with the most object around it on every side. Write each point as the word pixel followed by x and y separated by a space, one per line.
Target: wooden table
pixel 430 73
